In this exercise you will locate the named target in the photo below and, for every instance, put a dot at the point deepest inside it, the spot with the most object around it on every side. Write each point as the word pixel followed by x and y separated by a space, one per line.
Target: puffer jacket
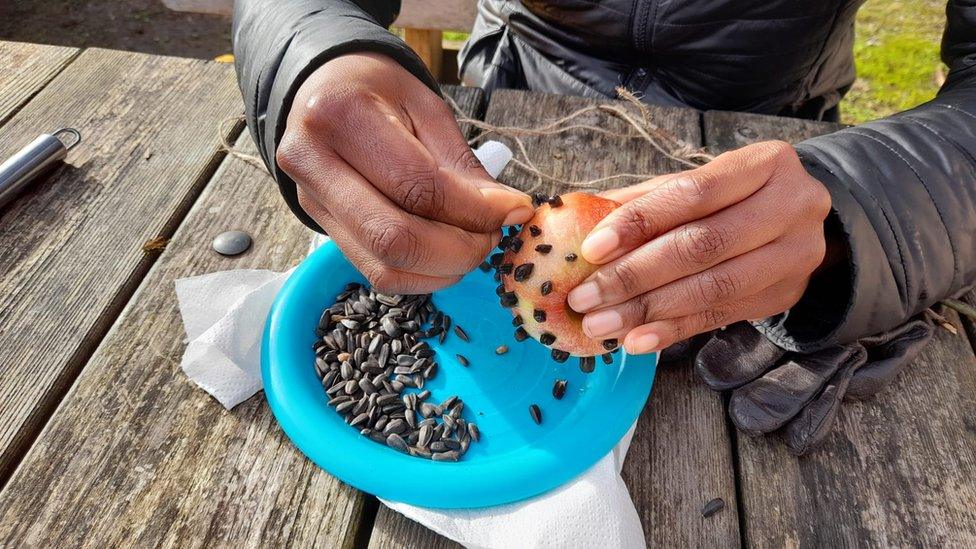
pixel 903 188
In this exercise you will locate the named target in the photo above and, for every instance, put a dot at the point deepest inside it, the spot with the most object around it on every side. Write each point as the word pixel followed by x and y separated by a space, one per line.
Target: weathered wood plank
pixel 897 470
pixel 71 247
pixel 137 455
pixel 730 130
pixel 25 69
pixel 681 454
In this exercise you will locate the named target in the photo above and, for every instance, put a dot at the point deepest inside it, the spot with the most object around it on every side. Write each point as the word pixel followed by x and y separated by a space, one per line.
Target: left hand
pixel 736 239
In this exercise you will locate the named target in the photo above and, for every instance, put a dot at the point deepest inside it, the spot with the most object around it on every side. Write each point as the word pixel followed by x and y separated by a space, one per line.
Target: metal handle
pixel 32 161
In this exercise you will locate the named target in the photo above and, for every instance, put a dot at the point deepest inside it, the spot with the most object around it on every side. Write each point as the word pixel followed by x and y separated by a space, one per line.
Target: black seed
pixel 559 356
pixel 547 339
pixel 523 272
pixel 485 266
pixel 546 287
pixel 543 248
pixel 556 201
pixel 520 334
pixel 534 231
pixel 496 259
pixel 505 269
pixel 713 507
pixel 539 315
pixel 570 257
pixel 509 299
pixel 607 358
pixel 517 321
pixel 609 344
pixel 587 363
pixel 539 199
pixel 461 333
pixel 536 414
pixel 500 289
pixel 497 277
pixel 559 389
pixel 515 245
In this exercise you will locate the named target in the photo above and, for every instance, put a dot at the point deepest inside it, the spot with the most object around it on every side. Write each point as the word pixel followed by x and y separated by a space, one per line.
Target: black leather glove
pixel 799 394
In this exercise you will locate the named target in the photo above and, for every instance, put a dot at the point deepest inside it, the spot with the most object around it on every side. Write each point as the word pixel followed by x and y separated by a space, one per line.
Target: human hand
pixel 733 240
pixel 799 394
pixel 381 165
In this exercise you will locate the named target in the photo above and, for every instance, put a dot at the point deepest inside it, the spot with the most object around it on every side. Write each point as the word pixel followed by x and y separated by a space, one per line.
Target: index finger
pixel 680 199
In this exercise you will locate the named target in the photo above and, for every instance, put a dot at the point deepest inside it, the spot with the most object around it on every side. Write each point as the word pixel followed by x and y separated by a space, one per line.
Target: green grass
pixel 897 56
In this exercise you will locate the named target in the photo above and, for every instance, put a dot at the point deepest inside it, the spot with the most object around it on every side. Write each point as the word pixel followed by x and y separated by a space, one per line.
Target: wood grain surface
pixel 680 457
pixel 24 70
pixel 137 455
pixel 71 246
pixel 897 470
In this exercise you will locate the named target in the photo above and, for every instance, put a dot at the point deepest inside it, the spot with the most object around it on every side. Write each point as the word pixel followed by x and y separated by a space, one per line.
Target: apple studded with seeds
pixel 541 264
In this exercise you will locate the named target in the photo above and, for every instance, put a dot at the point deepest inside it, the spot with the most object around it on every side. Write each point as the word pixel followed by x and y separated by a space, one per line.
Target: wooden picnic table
pixel 104 441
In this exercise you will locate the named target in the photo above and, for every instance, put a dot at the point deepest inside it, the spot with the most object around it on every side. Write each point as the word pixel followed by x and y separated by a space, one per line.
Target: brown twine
pixel 224 135
pixel 641 127
pixel 663 141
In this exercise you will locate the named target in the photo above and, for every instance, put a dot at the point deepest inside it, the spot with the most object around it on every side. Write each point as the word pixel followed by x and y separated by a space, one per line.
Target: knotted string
pixel 663 141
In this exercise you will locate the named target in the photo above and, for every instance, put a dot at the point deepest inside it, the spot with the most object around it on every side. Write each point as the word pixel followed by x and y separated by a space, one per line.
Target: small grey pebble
pixel 232 243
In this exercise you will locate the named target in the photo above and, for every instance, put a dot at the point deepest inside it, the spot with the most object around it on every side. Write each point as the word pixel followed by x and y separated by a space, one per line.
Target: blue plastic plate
pixel 515 459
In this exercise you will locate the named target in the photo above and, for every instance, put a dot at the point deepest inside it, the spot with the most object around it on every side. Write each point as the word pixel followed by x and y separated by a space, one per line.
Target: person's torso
pixel 772 56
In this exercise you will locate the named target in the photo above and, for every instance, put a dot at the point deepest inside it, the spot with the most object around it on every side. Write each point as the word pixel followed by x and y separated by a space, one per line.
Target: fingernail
pixel 518 215
pixel 600 244
pixel 643 344
pixel 584 297
pixel 602 323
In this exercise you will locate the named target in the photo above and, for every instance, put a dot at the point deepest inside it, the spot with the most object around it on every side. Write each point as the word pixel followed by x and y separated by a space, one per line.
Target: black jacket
pixel 903 188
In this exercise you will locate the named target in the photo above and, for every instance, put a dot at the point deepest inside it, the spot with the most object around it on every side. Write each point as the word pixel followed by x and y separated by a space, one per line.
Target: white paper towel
pixel 224 315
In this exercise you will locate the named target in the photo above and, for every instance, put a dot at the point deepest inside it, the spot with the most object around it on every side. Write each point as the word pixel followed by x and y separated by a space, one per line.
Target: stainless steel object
pixel 32 161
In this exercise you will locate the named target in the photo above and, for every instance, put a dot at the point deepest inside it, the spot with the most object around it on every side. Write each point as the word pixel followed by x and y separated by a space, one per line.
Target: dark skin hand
pixel 737 239
pixel 381 165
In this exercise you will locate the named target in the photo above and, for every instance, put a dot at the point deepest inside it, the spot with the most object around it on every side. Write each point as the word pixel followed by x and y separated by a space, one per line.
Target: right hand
pixel 381 165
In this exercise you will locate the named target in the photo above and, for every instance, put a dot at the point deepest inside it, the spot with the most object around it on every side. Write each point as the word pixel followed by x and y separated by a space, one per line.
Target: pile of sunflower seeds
pixel 369 352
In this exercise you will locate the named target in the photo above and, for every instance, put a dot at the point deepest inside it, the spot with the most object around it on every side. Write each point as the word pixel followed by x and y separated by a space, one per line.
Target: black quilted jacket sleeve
pixel 904 195
pixel 278 43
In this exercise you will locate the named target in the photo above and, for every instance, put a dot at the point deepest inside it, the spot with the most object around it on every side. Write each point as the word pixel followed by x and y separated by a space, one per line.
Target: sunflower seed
pixel 428 410
pixel 461 333
pixel 517 321
pixel 712 507
pixel 523 272
pixel 534 230
pixel 559 389
pixel 547 339
pixel 396 426
pixel 367 386
pixel 609 344
pixel 360 419
pixel 556 201
pixel 345 406
pixel 396 442
pixel 607 358
pixel 474 432
pixel 444 445
pixel 463 360
pixel 515 245
pixel 587 364
pixel 536 414
pixel 509 299
pixel 520 334
pixel 419 452
pixel 546 287
pixel 485 266
pixel 505 269
pixel 425 434
pixel 539 315
pixel 337 400
pixel 571 257
pixel 445 456
pixel 351 387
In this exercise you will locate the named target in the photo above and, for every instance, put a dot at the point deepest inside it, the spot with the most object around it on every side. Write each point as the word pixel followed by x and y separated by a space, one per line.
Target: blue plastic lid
pixel 515 459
